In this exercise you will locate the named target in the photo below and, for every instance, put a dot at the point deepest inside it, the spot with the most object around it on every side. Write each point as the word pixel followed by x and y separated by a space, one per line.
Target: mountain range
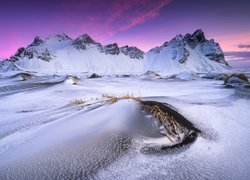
pixel 61 54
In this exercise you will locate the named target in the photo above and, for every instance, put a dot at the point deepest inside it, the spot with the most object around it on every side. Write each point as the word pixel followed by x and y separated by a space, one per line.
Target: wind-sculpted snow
pixel 175 129
pixel 22 82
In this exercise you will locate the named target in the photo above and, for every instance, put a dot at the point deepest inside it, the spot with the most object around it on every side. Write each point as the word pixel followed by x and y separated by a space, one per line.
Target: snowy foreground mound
pixel 61 54
pixel 77 127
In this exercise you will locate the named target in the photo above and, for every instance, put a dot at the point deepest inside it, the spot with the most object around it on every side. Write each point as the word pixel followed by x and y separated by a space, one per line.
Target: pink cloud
pixel 121 16
pixel 100 19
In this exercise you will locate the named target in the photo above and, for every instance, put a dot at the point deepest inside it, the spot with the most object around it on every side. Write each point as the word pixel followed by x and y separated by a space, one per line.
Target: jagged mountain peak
pixel 194 39
pixel 132 51
pixel 199 34
pixel 197 40
pixel 112 49
pixel 37 41
pixel 60 53
pixel 60 37
pixel 86 39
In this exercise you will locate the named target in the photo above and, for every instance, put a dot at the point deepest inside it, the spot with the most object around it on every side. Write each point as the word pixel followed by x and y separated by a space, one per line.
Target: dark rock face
pixel 37 41
pixel 179 52
pixel 29 53
pixel 213 51
pixel 45 56
pixel 99 47
pixel 209 48
pixel 185 56
pixel 81 42
pixel 20 53
pixel 194 39
pixel 165 44
pixel 32 52
pixel 112 49
pixel 132 52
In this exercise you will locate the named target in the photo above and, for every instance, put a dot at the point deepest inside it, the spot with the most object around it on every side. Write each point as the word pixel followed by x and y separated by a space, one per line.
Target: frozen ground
pixel 43 135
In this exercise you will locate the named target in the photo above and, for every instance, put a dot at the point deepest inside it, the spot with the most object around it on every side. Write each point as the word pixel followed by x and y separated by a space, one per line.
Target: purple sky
pixel 142 23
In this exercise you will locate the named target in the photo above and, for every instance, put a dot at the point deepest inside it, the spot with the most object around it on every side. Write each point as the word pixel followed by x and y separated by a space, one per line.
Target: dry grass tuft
pixel 113 99
pixel 104 99
pixel 78 101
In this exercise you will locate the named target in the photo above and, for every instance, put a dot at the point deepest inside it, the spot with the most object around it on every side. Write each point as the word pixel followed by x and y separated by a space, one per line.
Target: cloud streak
pixel 121 16
pixel 244 46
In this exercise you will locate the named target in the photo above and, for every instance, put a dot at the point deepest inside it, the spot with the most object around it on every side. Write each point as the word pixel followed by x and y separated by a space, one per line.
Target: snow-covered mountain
pixel 187 53
pixel 61 54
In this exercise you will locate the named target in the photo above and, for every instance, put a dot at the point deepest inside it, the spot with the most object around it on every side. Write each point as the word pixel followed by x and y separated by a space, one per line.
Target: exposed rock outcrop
pixel 112 49
pixel 132 52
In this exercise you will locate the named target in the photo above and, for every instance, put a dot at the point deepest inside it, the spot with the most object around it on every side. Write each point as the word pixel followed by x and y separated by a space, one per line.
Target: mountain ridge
pixel 60 53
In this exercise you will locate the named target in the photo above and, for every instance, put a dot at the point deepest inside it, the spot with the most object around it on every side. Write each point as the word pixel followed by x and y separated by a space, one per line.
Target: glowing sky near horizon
pixel 142 23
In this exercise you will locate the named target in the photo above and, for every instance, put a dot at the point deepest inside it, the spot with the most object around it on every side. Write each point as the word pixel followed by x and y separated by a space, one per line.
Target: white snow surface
pixel 42 134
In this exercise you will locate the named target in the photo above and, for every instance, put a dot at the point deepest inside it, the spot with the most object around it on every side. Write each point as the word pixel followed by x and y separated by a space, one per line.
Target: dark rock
pixel 45 56
pixel 185 56
pixel 29 53
pixel 132 52
pixel 165 44
pixel 37 41
pixel 94 75
pixel 125 75
pixel 194 39
pixel 213 51
pixel 19 54
pixel 112 49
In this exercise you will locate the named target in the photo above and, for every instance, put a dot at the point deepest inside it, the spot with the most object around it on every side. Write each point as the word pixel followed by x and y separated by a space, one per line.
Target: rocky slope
pixel 187 53
pixel 61 54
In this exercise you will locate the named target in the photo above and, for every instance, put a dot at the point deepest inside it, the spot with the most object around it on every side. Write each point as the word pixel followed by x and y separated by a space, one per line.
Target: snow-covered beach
pixel 44 134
